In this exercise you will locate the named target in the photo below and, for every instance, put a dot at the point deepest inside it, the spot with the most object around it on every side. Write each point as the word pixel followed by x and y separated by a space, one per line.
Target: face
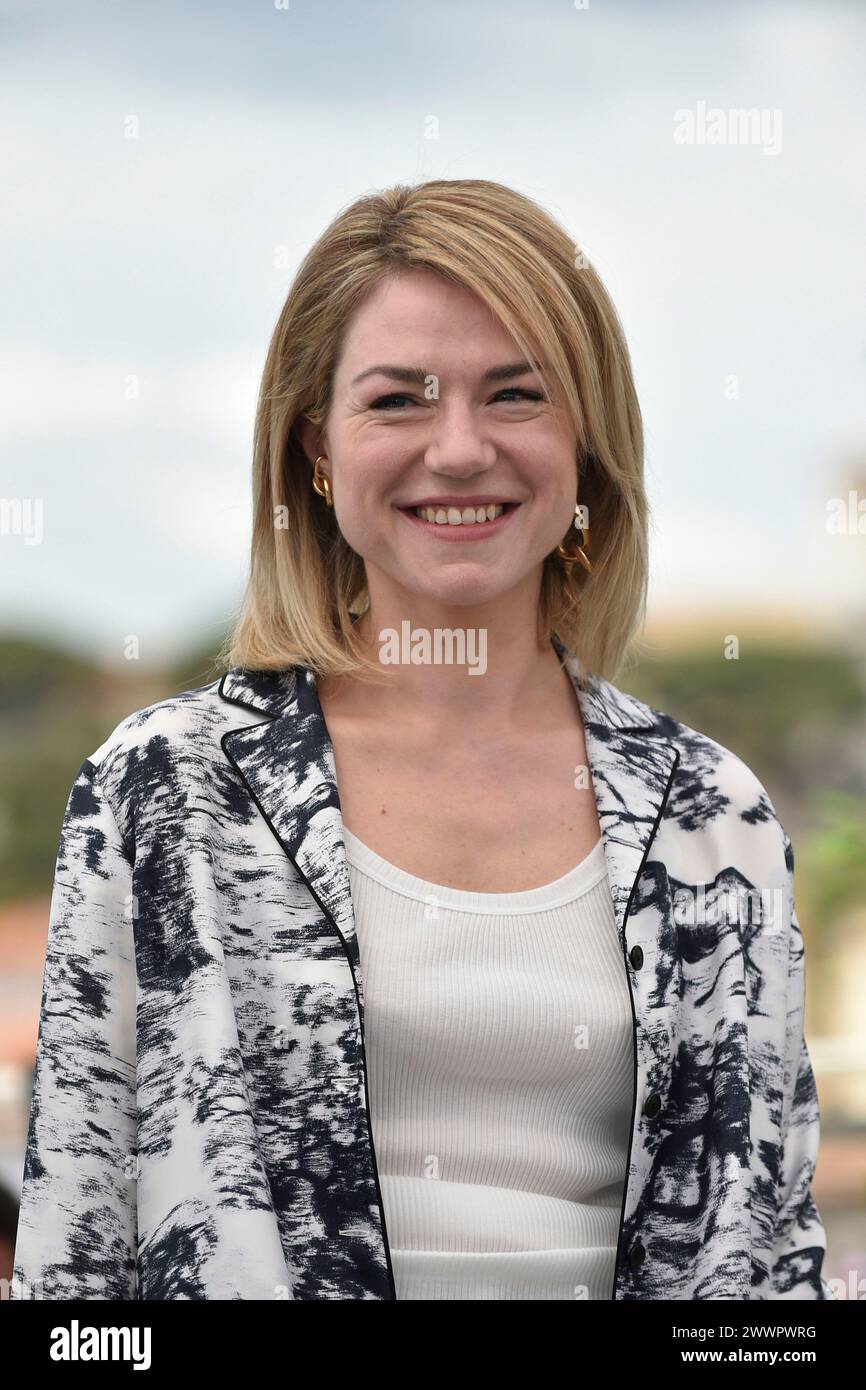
pixel 452 474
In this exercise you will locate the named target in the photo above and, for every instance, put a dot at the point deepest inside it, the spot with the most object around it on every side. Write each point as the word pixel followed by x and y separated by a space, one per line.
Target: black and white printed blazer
pixel 200 1124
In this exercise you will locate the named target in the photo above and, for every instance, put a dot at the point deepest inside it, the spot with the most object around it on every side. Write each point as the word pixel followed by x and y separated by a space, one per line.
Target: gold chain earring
pixel 578 555
pixel 320 482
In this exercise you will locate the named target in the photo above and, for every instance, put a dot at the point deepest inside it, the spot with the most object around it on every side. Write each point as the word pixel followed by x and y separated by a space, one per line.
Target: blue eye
pixel 521 391
pixel 381 402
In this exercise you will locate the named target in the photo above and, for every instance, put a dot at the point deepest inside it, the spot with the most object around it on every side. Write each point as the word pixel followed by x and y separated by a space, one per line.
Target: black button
pixel 636 957
pixel 652 1106
pixel 636 1256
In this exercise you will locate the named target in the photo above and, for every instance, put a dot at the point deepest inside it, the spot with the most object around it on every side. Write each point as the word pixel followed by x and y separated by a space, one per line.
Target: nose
pixel 458 447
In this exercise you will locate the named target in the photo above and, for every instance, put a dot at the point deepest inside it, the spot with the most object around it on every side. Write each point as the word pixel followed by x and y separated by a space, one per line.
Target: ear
pixel 310 436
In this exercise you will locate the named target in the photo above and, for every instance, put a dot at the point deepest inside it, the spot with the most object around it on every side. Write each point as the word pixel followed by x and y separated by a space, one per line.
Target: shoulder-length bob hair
pixel 305 583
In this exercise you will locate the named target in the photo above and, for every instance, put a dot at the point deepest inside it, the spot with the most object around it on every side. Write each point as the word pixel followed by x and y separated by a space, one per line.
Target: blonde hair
pixel 305 583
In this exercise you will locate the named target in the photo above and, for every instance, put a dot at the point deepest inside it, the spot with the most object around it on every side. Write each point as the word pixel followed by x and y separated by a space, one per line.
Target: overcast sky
pixel 159 258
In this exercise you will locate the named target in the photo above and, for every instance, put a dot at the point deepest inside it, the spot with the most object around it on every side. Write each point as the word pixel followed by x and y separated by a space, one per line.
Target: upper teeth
pixel 455 516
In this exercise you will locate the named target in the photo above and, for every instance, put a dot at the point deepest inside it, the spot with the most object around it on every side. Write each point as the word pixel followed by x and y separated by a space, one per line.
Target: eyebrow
pixel 418 376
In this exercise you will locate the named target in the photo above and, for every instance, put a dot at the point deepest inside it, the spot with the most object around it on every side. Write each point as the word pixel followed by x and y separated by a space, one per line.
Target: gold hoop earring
pixel 578 555
pixel 320 482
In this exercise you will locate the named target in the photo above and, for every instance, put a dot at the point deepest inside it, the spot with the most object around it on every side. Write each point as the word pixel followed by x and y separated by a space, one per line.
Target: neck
pixel 480 665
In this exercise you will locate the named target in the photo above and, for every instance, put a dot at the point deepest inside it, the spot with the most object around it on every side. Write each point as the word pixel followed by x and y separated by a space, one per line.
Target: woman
pixel 413 869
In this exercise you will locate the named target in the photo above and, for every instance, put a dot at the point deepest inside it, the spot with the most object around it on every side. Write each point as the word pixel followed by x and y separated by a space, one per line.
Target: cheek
pixel 361 494
pixel 369 471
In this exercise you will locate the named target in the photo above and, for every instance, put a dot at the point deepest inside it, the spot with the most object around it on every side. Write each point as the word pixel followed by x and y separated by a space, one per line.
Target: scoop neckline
pixel 572 884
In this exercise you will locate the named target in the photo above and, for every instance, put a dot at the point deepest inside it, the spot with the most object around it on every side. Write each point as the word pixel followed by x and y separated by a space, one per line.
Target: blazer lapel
pixel 631 765
pixel 287 763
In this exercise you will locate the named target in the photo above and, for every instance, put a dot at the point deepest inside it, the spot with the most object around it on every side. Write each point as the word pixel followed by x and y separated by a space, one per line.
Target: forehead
pixel 412 316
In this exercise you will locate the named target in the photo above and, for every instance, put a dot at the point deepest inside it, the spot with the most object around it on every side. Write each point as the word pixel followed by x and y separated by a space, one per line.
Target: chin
pixel 462 591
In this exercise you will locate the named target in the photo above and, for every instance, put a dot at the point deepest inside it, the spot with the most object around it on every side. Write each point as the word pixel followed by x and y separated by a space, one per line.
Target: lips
pixel 451 525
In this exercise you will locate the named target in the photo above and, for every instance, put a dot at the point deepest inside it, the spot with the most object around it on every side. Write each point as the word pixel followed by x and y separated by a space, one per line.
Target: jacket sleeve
pixel 77 1227
pixel 799 1241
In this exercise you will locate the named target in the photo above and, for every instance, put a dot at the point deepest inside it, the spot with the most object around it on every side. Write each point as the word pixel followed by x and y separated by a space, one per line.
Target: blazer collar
pixel 287 763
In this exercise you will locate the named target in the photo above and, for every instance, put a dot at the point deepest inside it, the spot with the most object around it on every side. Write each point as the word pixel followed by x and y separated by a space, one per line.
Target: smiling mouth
pixel 461 516
pixel 460 523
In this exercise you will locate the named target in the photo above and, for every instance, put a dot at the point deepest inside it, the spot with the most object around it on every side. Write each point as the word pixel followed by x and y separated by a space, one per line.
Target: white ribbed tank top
pixel 499 1041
